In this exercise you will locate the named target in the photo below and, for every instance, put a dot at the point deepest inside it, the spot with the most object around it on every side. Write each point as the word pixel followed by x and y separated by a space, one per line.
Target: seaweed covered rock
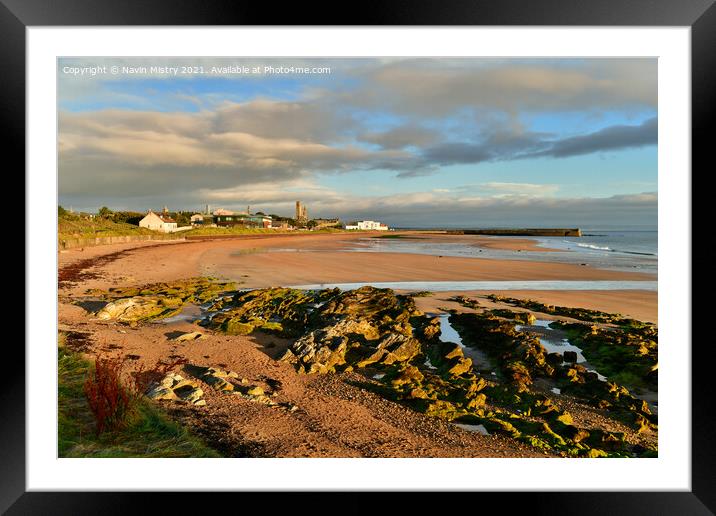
pixel 465 301
pixel 352 342
pixel 140 308
pixel 526 318
pixel 431 330
pixel 399 348
pixel 628 355
pixel 582 314
pixel 200 290
pixel 158 300
pixel 278 309
pixel 376 328
pixel 610 396
pixel 353 328
pixel 381 306
pixel 446 397
pixel 519 355
pixel 449 359
pixel 236 327
pixel 293 313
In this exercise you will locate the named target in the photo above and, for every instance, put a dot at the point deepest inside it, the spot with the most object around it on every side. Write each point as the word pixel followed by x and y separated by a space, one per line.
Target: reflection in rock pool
pixel 557 345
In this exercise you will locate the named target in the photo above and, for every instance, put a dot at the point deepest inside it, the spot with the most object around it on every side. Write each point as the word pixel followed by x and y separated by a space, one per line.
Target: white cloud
pixel 528 189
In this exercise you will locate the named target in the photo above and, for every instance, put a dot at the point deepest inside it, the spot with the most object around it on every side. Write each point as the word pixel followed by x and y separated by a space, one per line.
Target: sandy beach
pixel 337 418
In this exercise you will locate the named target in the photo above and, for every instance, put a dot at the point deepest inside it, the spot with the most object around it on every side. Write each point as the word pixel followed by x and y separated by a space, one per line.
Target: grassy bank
pixel 97 227
pixel 229 231
pixel 76 228
pixel 149 434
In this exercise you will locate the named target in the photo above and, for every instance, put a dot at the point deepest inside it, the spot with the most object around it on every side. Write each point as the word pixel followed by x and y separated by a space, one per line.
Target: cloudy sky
pixel 411 142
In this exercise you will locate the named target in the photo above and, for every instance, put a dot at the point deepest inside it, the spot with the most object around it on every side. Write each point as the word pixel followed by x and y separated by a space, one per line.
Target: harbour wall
pixel 556 232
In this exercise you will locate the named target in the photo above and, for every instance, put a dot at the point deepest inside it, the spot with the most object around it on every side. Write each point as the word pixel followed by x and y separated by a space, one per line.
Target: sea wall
pixel 70 243
pixel 557 232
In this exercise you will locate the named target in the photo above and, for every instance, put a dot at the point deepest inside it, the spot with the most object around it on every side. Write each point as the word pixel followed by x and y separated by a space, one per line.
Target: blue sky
pixel 411 142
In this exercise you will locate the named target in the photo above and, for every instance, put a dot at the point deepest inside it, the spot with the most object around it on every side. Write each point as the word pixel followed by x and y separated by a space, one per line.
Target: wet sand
pixel 298 260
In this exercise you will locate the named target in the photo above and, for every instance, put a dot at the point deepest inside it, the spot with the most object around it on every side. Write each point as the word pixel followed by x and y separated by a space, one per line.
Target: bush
pixel 112 403
pixel 104 212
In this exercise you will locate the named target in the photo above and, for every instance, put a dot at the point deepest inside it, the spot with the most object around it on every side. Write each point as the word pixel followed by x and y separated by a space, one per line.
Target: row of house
pixel 225 218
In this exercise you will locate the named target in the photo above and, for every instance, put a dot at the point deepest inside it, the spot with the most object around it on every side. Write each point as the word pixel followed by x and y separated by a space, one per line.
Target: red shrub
pixel 109 399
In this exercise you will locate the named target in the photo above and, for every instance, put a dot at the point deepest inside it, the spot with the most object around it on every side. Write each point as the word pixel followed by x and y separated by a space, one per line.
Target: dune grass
pixel 97 227
pixel 150 433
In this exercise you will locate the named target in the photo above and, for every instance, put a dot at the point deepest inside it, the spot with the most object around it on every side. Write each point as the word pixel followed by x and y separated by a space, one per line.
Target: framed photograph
pixel 432 250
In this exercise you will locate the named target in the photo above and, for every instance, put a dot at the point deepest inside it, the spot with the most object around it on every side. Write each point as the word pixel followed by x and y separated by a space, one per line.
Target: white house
pixel 156 222
pixel 369 225
pixel 197 219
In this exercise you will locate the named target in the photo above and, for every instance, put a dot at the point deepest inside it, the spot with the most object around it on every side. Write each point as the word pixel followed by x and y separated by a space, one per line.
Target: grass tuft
pixel 149 433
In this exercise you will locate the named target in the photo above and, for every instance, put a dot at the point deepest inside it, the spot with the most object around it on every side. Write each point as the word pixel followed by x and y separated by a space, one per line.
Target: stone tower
pixel 301 213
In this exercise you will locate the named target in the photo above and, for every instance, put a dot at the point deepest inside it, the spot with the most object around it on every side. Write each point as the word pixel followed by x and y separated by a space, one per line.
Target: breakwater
pixel 557 232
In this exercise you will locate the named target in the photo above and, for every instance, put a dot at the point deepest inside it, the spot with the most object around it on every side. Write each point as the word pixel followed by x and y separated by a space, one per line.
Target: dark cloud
pixel 452 153
pixel 505 147
pixel 610 138
pixel 499 146
pixel 400 137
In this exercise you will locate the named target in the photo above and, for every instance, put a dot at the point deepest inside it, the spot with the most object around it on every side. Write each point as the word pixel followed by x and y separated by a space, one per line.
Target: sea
pixel 616 249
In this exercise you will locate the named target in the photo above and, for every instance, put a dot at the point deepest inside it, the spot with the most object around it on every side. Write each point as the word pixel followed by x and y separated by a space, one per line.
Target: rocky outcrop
pixel 140 308
pixel 519 355
pixel 282 310
pixel 628 354
pixel 582 314
pixel 525 318
pixel 320 351
pixel 216 378
pixel 465 301
pixel 156 301
pixel 350 342
pixel 174 387
pixel 334 331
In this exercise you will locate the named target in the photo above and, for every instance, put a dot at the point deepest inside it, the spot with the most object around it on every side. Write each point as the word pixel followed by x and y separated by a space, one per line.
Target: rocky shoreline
pixel 380 345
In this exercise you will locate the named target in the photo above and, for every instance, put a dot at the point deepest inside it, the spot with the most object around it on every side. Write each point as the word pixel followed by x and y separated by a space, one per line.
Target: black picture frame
pixel 700 15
